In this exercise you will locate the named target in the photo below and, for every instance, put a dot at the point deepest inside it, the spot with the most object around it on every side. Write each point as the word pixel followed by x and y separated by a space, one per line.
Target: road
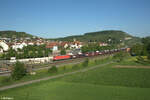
pixel 52 77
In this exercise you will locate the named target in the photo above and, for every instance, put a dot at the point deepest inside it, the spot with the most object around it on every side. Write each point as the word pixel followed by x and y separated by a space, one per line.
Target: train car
pixel 88 54
pixel 61 57
pixel 80 55
pixel 96 53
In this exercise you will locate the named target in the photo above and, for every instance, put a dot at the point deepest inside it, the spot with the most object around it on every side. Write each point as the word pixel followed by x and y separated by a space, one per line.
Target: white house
pixel 75 46
pixel 55 48
pixel 17 46
pixel 30 43
pixel 4 46
pixel 103 44
pixel 1 50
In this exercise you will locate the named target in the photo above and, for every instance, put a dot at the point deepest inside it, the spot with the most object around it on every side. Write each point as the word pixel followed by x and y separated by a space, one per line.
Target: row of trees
pixel 95 47
pixel 142 49
pixel 31 51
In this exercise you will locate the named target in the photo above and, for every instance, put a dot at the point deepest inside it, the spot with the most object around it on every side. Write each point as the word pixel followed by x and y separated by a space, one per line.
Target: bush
pixel 85 63
pixel 63 52
pixel 120 56
pixel 53 69
pixel 18 71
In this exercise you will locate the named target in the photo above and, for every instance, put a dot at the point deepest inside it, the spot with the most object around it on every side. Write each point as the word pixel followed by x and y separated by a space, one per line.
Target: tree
pixel 63 52
pixel 53 69
pixel 137 49
pixel 18 71
pixel 146 40
pixel 85 49
pixel 148 51
pixel 120 56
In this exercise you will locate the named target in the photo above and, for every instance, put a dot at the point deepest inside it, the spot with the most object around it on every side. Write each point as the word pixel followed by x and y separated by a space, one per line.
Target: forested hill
pixel 116 37
pixel 102 36
pixel 14 34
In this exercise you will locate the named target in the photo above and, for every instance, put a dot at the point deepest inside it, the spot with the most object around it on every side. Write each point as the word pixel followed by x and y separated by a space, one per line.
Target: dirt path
pixel 119 66
pixel 51 77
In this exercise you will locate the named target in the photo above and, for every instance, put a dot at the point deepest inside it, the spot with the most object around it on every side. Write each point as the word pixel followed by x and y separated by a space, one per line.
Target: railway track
pixel 61 63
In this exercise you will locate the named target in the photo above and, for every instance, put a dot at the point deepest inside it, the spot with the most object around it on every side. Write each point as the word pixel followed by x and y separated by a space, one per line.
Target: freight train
pixel 87 54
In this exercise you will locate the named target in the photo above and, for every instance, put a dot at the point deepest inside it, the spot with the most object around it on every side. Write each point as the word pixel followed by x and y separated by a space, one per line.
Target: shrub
pixel 63 52
pixel 18 71
pixel 53 69
pixel 120 56
pixel 85 63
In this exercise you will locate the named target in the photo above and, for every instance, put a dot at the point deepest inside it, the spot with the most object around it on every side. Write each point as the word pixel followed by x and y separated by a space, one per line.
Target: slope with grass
pixel 103 83
pixel 59 90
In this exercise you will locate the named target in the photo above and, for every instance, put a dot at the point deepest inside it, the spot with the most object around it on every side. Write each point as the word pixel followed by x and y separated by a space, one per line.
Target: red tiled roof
pixel 50 45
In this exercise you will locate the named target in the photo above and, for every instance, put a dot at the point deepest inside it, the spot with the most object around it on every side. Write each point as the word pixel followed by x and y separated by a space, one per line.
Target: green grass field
pixel 5 80
pixel 60 90
pixel 103 83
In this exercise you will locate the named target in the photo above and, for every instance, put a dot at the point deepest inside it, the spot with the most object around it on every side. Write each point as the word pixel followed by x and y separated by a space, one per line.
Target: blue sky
pixel 59 18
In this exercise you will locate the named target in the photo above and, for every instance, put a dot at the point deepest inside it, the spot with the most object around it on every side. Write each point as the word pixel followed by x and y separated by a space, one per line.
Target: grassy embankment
pixel 105 83
pixel 6 80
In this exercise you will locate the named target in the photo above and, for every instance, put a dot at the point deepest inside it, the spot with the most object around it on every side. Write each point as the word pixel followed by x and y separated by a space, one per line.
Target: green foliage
pixel 14 34
pixel 53 69
pixel 18 71
pixel 85 63
pixel 148 50
pixel 95 47
pixel 146 40
pixel 146 46
pixel 137 49
pixel 100 36
pixel 120 56
pixel 142 49
pixel 104 36
pixel 30 51
pixel 63 52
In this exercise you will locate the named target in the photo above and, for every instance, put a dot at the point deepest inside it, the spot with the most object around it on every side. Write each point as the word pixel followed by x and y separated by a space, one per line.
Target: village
pixel 10 48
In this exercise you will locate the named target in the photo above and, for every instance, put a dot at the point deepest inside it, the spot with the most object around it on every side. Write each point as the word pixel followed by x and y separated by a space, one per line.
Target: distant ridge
pixel 116 37
pixel 102 36
pixel 14 34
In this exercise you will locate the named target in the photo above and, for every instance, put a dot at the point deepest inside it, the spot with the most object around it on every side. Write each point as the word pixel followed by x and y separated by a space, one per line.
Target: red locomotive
pixel 61 57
